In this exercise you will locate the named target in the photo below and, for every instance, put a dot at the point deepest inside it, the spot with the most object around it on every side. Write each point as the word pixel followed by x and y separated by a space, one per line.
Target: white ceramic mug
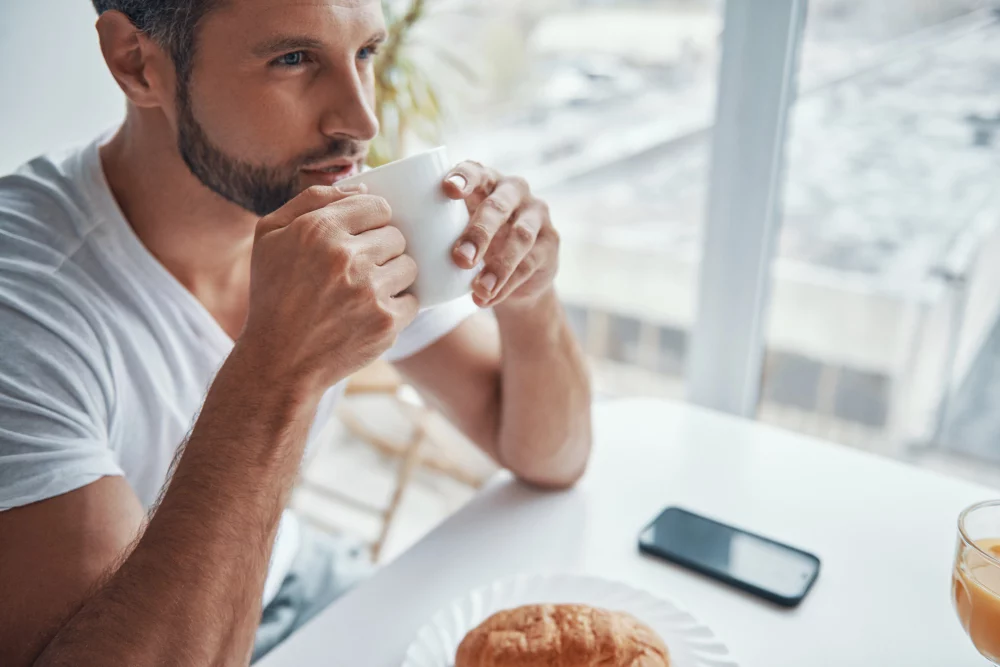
pixel 430 222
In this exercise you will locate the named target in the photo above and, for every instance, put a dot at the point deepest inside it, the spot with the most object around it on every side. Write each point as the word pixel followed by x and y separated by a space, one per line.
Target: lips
pixel 331 172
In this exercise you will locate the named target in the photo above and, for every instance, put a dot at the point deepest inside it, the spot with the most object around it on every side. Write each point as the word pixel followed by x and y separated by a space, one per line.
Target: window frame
pixel 756 87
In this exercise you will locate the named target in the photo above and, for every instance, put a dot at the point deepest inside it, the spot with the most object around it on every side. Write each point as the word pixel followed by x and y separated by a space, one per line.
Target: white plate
pixel 691 644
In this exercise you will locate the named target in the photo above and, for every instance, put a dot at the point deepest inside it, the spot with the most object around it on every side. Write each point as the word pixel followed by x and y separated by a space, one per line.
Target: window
pixel 884 302
pixel 608 114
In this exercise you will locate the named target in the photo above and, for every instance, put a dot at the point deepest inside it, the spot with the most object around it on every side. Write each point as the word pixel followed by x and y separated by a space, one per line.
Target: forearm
pixel 545 428
pixel 189 592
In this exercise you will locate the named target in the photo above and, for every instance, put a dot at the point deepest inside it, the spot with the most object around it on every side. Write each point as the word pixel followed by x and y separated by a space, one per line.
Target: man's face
pixel 280 97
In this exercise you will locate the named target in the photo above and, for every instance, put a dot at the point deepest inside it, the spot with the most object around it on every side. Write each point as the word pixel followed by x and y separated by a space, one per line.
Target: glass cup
pixel 975 583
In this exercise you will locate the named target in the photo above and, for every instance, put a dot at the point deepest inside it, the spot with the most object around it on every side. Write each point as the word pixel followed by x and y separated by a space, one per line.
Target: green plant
pixel 405 99
pixel 407 75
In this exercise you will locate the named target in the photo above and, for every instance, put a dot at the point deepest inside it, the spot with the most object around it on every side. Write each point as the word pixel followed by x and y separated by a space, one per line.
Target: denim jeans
pixel 324 568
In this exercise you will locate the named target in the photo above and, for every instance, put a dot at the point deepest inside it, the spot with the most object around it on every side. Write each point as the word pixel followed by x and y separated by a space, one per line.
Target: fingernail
pixel 488 281
pixel 468 251
pixel 352 189
pixel 458 181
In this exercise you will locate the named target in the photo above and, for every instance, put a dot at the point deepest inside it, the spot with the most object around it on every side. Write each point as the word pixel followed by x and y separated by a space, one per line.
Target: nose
pixel 349 107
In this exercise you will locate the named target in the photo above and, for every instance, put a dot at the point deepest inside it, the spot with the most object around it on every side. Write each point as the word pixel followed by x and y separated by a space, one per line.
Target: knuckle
pixel 342 250
pixel 470 169
pixel 314 192
pixel 361 290
pixel 316 195
pixel 324 219
pixel 384 321
pixel 522 234
pixel 522 273
pixel 466 167
pixel 410 267
pixel 503 265
pixel 267 222
pixel 479 233
pixel 497 205
pixel 396 237
pixel 343 260
pixel 379 208
pixel 519 182
pixel 328 215
pixel 311 231
pixel 552 235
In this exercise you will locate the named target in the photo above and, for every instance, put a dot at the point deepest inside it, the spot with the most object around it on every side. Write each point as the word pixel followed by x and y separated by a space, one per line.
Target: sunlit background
pixel 881 327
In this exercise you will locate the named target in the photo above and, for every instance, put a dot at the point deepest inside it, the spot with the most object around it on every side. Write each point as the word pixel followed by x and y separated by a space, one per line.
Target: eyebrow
pixel 286 43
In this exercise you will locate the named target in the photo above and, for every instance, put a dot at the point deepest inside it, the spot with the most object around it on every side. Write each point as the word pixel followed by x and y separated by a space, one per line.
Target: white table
pixel 884 531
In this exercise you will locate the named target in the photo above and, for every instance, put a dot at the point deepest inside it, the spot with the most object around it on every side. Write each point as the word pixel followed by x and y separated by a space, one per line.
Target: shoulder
pixel 49 319
pixel 45 208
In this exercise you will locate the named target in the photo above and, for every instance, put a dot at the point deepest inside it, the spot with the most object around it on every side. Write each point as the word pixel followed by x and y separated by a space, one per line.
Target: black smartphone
pixel 756 564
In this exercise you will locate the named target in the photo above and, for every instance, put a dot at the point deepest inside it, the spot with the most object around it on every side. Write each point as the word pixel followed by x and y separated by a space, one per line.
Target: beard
pixel 258 188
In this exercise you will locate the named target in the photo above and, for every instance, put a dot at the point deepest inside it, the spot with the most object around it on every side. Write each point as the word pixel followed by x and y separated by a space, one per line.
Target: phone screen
pixel 776 571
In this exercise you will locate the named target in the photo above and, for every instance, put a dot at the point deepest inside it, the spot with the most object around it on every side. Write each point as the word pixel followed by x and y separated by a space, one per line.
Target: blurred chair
pixel 429 446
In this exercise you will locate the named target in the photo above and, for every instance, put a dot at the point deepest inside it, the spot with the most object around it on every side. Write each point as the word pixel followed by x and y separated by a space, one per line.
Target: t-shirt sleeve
pixel 54 396
pixel 430 325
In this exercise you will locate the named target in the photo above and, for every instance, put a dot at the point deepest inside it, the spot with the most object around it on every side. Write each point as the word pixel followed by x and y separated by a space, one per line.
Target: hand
pixel 325 285
pixel 509 230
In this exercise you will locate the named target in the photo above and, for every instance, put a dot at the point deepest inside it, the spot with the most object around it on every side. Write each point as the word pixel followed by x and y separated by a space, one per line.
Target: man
pixel 204 247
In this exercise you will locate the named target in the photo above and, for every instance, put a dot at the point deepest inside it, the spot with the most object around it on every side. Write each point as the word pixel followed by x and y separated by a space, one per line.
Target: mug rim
pixel 394 163
pixel 964 536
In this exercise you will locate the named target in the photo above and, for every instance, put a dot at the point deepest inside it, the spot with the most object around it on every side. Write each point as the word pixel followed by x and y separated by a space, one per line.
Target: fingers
pixel 382 244
pixel 507 253
pixel 352 215
pixel 522 274
pixel 536 271
pixel 396 275
pixel 472 182
pixel 468 177
pixel 495 211
pixel 311 199
pixel 361 213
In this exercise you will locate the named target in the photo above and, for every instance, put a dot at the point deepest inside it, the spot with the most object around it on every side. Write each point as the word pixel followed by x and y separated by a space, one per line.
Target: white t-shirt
pixel 105 358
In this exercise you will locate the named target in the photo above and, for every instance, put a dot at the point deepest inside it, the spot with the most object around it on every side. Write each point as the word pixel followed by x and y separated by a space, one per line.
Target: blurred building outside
pixel 886 290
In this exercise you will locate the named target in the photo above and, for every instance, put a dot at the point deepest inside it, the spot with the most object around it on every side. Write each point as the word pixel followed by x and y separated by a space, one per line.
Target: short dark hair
pixel 171 23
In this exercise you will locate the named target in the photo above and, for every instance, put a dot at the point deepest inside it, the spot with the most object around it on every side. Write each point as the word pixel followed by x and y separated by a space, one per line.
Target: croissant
pixel 564 635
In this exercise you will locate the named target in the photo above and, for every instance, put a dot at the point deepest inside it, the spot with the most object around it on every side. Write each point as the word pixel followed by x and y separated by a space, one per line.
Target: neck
pixel 199 237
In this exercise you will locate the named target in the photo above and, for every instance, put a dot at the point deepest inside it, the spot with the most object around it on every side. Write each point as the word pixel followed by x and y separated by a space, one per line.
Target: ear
pixel 142 68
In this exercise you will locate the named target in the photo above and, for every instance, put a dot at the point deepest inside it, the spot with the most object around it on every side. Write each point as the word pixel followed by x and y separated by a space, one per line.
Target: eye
pixel 368 52
pixel 293 59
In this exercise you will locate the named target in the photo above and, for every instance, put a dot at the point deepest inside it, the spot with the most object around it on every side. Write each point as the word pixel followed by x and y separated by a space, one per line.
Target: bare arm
pixel 52 553
pixel 519 390
pixel 189 592
pixel 524 394
pixel 545 432
pixel 187 589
